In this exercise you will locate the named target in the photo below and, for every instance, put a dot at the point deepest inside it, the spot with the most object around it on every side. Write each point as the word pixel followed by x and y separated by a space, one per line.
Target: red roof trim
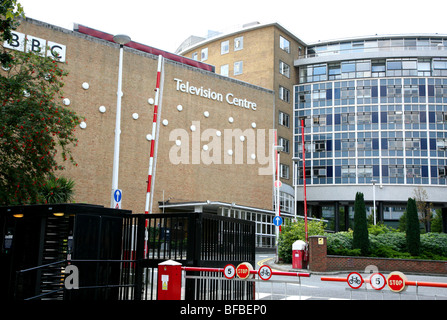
pixel 145 48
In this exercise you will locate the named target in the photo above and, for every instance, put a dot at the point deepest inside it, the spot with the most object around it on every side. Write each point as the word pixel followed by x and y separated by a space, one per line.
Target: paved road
pixel 313 288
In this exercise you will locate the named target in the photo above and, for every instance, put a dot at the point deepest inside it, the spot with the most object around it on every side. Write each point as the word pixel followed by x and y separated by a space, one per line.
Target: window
pixel 285 144
pixel 396 171
pixel 238 68
pixel 284 119
pixel 411 117
pixel 441 144
pixel 225 47
pixel 378 68
pixel 395 144
pixel 412 144
pixel 348 171
pixel 284 94
pixel 348 144
pixel 284 171
pixel 320 145
pixel 204 54
pixel 238 43
pixel 320 172
pixel 365 171
pixel 320 120
pixel 194 56
pixel 284 44
pixel 284 69
pixel 413 172
pixel 224 70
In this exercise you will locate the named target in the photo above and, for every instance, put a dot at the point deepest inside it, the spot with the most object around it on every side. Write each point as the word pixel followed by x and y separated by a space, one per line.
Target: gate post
pixel 317 253
pixel 169 285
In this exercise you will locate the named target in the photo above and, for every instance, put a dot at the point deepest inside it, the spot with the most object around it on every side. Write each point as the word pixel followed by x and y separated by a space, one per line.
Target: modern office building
pixel 374 113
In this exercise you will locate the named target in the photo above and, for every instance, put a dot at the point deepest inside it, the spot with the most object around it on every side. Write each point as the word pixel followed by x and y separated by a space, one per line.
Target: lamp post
pixel 374 200
pixel 121 39
pixel 276 150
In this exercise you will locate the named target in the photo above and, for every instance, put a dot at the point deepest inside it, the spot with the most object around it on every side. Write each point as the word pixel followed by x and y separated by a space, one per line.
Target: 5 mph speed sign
pixel 377 281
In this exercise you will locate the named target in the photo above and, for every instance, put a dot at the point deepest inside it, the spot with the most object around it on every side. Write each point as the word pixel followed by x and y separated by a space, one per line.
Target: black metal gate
pixel 116 253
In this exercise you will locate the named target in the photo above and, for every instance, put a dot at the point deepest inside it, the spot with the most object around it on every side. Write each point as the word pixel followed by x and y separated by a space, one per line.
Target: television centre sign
pixel 186 87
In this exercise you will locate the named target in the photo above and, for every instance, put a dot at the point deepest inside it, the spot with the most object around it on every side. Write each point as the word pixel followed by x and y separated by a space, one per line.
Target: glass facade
pixel 379 118
pixel 393 130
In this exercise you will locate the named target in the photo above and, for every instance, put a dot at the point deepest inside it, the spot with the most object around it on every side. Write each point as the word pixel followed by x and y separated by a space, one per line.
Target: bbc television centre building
pixel 373 110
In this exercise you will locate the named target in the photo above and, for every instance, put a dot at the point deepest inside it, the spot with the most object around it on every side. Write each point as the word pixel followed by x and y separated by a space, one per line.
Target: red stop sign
pixel 243 270
pixel 396 281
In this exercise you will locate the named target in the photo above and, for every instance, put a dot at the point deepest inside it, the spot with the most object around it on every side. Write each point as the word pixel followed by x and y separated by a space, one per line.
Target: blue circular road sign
pixel 277 221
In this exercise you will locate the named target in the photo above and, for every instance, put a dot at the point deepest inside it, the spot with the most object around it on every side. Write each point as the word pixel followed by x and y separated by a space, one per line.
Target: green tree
pixel 34 127
pixel 413 231
pixel 360 236
pixel 10 10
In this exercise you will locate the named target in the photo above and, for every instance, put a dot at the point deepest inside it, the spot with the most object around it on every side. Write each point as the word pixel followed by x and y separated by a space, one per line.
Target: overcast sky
pixel 164 24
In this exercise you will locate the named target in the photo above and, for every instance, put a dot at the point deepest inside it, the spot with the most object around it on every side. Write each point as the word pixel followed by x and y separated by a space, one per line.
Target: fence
pixel 116 253
pixel 218 283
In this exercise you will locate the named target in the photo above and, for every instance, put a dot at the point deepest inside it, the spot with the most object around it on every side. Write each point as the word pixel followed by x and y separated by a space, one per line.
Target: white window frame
pixel 225 47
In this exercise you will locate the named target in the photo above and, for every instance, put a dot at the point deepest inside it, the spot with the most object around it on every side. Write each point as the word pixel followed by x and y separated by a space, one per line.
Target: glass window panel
pixel 348 67
pixel 394 65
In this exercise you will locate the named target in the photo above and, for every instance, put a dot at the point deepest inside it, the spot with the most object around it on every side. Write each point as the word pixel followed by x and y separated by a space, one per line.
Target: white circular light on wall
pixel 230 152
pixel 253 125
pixel 83 125
pixel 205 148
pixel 179 107
pixel 165 122
pixel 150 101
pixel 218 133
pixel 253 156
pixel 206 114
pixel 149 137
pixel 230 120
pixel 178 142
pixel 242 138
pixel 66 101
pixel 135 116
pixel 85 86
pixel 193 128
pixel 102 109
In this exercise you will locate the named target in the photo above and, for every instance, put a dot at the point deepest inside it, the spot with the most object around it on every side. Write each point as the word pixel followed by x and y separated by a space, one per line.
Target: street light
pixel 374 199
pixel 121 39
pixel 277 149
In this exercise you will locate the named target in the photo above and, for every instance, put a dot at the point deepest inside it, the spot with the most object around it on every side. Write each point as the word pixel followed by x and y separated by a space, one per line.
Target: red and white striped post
pixel 154 131
pixel 151 156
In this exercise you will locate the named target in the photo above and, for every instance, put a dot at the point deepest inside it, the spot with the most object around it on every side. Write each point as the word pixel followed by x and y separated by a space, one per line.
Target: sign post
pixel 117 197
pixel 265 272
pixel 396 281
pixel 355 280
pixel 243 270
pixel 229 271
pixel 377 281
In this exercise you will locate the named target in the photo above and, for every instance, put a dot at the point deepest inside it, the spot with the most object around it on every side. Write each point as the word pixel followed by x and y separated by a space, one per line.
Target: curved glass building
pixel 375 121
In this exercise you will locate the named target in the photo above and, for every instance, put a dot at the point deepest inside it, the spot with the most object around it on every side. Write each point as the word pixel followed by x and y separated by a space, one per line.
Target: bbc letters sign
pixel 27 43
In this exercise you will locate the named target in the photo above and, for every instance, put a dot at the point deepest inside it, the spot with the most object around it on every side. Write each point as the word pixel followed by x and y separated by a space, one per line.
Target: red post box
pixel 299 255
pixel 169 285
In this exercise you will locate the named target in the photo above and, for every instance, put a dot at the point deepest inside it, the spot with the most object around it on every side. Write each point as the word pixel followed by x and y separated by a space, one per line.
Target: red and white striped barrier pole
pixel 154 131
pixel 151 156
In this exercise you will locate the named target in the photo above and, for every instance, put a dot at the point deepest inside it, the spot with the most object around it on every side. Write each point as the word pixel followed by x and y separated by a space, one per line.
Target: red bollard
pixel 169 285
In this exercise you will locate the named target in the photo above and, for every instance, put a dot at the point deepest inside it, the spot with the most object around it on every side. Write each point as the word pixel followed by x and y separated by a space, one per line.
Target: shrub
pixel 293 232
pixel 360 236
pixel 413 232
